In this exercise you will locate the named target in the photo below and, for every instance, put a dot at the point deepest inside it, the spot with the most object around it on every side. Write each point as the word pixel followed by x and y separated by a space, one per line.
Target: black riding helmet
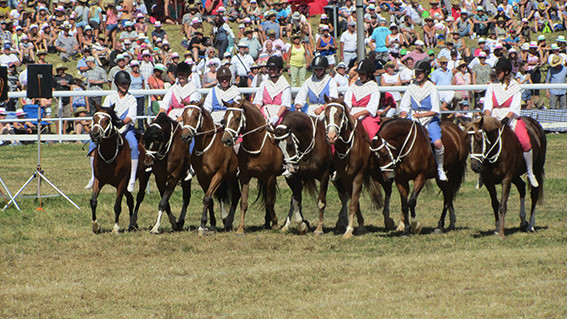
pixel 320 62
pixel 423 66
pixel 366 66
pixel 122 77
pixel 183 68
pixel 275 61
pixel 503 64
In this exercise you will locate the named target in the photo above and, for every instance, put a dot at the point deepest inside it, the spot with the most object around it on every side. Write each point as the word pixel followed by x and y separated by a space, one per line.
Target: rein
pixel 485 143
pixel 164 149
pixel 108 132
pixel 234 133
pixel 194 130
pixel 295 159
pixel 394 161
pixel 350 139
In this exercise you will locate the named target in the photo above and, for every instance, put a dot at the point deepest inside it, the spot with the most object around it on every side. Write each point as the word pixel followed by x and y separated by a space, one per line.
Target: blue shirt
pixel 379 36
pixel 556 75
pixel 441 77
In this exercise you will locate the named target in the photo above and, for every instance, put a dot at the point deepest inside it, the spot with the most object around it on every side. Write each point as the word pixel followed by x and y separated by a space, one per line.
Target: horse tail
pixel 311 187
pixel 373 188
pixel 262 194
pixel 223 193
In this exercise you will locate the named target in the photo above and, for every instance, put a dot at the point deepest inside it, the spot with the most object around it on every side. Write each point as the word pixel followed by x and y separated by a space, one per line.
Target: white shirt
pixel 286 95
pixel 349 41
pixel 342 80
pixel 127 104
pixel 405 104
pixel 371 107
pixel 406 74
pixel 301 97
pixel 500 113
pixel 8 59
pixel 193 96
pixel 203 66
pixel 242 64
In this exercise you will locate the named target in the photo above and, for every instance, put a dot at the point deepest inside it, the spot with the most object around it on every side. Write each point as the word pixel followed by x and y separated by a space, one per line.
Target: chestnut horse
pixel 168 158
pixel 405 154
pixel 497 155
pixel 354 163
pixel 309 157
pixel 215 165
pixel 258 157
pixel 112 166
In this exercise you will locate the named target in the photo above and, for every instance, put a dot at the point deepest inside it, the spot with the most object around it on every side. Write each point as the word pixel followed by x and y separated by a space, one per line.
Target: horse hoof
pixel 134 227
pixel 285 228
pixel 115 230
pixel 96 227
pixel 275 226
pixel 347 235
pixel 360 230
pixel 438 231
pixel 240 232
pixel 318 233
pixel 302 228
pixel 201 232
pixel 530 230
pixel 179 225
pixel 154 231
pixel 401 227
pixel 390 224
pixel 416 227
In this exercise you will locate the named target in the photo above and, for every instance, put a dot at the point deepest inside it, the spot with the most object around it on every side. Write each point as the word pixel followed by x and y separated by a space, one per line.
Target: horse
pixel 168 158
pixel 497 156
pixel 354 163
pixel 404 153
pixel 258 156
pixel 308 156
pixel 215 165
pixel 112 166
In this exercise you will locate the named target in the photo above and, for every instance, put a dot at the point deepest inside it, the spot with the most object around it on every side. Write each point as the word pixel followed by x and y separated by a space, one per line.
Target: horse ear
pixel 202 101
pixel 326 98
pixel 112 106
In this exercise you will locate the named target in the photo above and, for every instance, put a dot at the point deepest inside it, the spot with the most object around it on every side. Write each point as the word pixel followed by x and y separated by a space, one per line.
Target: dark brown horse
pixel 354 163
pixel 309 157
pixel 258 157
pixel 497 155
pixel 215 164
pixel 168 158
pixel 112 166
pixel 404 152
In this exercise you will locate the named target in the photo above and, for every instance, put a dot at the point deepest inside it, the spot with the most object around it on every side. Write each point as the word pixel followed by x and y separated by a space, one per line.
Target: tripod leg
pixel 9 194
pixel 19 191
pixel 59 191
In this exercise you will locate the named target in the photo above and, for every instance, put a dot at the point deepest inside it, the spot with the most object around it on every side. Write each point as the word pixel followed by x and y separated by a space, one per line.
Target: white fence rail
pixel 85 137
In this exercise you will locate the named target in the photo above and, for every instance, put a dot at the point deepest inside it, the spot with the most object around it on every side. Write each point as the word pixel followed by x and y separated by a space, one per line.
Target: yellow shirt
pixel 297 57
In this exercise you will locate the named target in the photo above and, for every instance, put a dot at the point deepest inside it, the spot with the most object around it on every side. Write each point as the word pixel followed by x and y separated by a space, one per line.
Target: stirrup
pixel 90 183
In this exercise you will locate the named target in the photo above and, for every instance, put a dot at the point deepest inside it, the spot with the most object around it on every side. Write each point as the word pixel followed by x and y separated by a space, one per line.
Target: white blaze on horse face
pixel 331 127
pixel 229 118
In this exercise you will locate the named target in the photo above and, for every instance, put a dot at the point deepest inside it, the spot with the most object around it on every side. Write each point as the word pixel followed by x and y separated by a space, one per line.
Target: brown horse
pixel 215 165
pixel 404 152
pixel 354 162
pixel 168 158
pixel 309 157
pixel 258 157
pixel 112 166
pixel 497 155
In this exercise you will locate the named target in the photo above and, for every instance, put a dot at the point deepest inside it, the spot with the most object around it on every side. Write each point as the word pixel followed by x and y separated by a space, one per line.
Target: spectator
pixel 242 62
pixel 95 78
pixel 395 41
pixel 348 43
pixel 121 65
pixel 443 76
pixel 66 44
pixel 378 39
pixel 111 24
pixel 390 78
pixel 209 79
pixel 159 33
pixel 82 126
pixel 22 127
pixel 327 46
pixel 557 73
pixel 481 22
pixel 156 83
pixel 138 83
pixel 481 75
pixel 462 77
pixel 172 66
pixel 414 11
pixel 221 34
pixel 197 45
pixel 298 57
pixel 254 45
pixel 429 33
pixel 407 73
pixel 407 28
pixel 417 54
pixel 79 101
pixel 341 77
pixel 523 77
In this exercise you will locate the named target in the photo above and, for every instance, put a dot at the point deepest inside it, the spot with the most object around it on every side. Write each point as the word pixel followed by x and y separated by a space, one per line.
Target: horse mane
pixel 153 132
pixel 110 111
pixel 490 123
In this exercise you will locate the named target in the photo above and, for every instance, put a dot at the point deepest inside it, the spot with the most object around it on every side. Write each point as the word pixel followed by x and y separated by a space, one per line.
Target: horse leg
pixel 208 204
pixel 94 201
pixel 447 205
pixel 118 206
pixel 235 195
pixel 535 193
pixel 504 205
pixel 245 182
pixel 495 204
pixel 417 187
pixel 388 221
pixel 322 202
pixel 403 189
pixel 161 184
pixel 342 220
pixel 186 187
pixel 270 203
pixel 521 187
pixel 353 206
pixel 296 217
pixel 292 183
pixel 144 178
pixel 360 229
pixel 130 203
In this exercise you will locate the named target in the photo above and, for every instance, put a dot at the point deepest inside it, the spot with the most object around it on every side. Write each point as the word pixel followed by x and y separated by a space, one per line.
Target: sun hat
pixel 160 67
pixel 79 110
pixel 174 55
pixel 247 20
pixel 512 50
pixel 134 63
pixel 3 111
pixel 430 52
pixel 146 53
pixel 541 37
pixel 221 9
pixel 419 42
pixel 481 40
pixel 560 38
pixel 443 59
pixel 140 16
pixel 479 8
pixel 498 46
pixel 525 46
pixel 482 54
pixel 20 112
pixel 556 60
pixel 90 59
pixel 324 16
pixel 296 15
pixel 119 57
pixel 341 65
pixel 533 44
pixel 554 46
pixel 157 24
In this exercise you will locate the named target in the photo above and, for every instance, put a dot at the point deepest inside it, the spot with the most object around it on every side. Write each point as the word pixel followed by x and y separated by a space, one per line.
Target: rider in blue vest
pixel 314 90
pixel 421 104
pixel 224 91
pixel 125 106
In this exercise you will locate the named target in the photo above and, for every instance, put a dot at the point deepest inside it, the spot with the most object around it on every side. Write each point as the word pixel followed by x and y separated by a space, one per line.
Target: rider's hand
pixel 274 120
pixel 505 120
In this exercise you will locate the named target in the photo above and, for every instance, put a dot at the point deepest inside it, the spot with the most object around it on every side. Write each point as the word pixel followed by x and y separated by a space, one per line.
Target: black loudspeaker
pixel 3 83
pixel 40 81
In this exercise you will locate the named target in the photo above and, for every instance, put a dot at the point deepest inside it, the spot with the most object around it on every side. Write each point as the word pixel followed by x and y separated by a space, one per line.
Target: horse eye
pixel 223 122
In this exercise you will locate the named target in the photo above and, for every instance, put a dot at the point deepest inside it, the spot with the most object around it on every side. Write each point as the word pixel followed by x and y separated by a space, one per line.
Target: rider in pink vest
pixel 503 100
pixel 274 95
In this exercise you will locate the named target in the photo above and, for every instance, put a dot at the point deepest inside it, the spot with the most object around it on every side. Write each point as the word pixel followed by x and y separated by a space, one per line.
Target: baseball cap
pixel 482 54
pixel 419 42
pixel 134 63
pixel 90 59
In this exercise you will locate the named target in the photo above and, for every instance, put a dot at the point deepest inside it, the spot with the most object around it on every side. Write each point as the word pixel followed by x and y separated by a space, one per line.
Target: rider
pixel 182 92
pixel 224 91
pixel 319 85
pixel 421 103
pixel 273 97
pixel 125 106
pixel 503 100
pixel 363 96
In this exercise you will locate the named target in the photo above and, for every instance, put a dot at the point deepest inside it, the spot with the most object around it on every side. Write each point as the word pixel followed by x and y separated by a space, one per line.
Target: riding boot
pixel 91 181
pixel 439 155
pixel 190 173
pixel 132 181
pixel 529 158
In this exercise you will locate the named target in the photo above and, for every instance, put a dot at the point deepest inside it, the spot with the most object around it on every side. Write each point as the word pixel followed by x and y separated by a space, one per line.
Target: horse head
pixel 234 121
pixel 336 118
pixel 104 124
pixel 295 136
pixel 155 136
pixel 386 151
pixel 192 119
pixel 483 133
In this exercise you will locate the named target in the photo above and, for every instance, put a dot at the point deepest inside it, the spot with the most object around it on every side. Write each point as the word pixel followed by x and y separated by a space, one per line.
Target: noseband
pixel 298 156
pixel 107 132
pixel 194 131
pixel 344 121
pixel 487 147
pixel 234 133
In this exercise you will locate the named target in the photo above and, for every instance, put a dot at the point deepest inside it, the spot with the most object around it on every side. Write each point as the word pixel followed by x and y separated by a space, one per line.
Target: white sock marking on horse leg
pixel 155 230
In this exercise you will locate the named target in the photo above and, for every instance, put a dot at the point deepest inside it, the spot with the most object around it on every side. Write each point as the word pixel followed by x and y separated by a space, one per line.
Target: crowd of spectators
pixel 463 39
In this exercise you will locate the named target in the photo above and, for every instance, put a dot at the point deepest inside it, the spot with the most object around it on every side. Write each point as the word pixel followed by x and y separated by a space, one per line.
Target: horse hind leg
pixel 133 215
pixel 521 187
pixel 535 194
pixel 94 202
pixel 235 195
pixel 186 188
pixel 389 223
pixel 495 205
pixel 118 208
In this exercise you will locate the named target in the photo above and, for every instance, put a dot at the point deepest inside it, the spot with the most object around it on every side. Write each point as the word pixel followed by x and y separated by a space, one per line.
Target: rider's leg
pixel 134 154
pixel 435 135
pixel 522 134
pixel 92 147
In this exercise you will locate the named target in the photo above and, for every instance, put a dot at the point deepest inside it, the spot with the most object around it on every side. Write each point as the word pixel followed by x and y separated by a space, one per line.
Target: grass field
pixel 52 265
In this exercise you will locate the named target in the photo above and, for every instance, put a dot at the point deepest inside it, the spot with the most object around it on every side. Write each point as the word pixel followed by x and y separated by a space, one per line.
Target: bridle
pixel 164 148
pixel 390 148
pixel 107 132
pixel 343 123
pixel 487 146
pixel 194 130
pixel 235 133
pixel 298 156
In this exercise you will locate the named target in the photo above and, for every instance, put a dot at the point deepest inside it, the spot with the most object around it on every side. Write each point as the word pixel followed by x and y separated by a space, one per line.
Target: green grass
pixel 53 265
